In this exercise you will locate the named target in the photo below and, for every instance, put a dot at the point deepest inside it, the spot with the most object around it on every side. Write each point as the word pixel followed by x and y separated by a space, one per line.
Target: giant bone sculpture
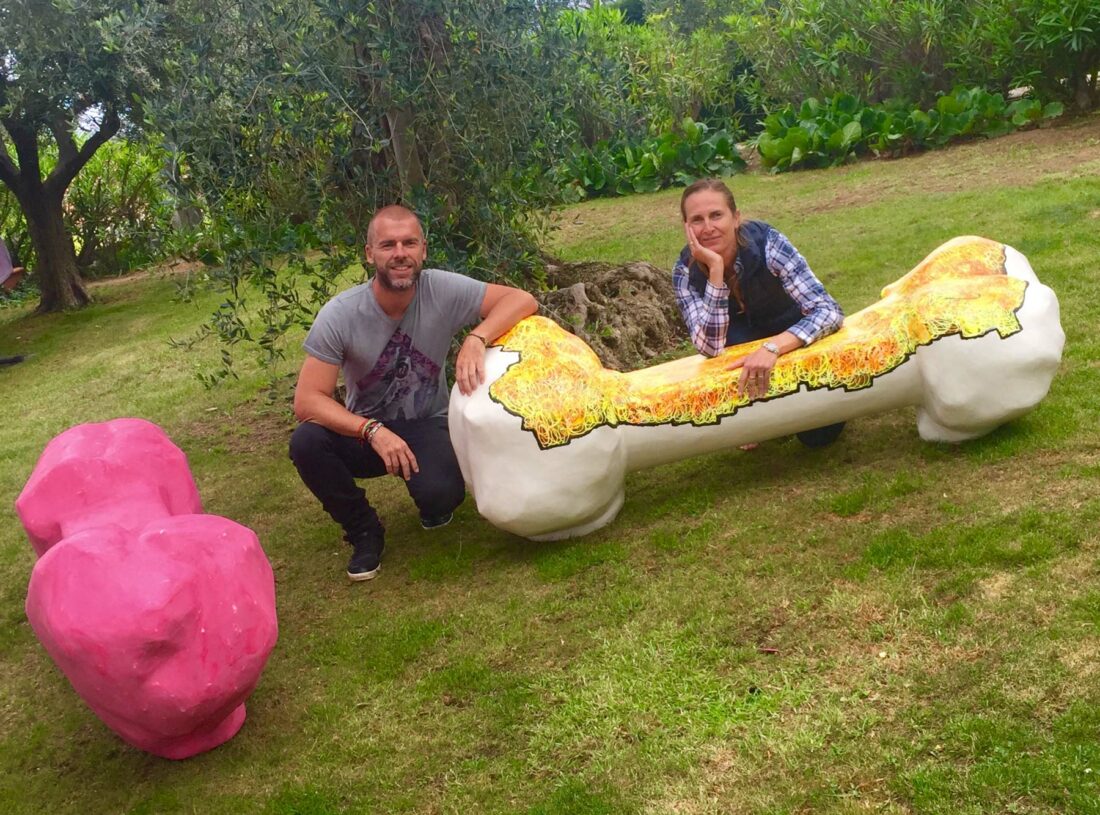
pixel 161 617
pixel 970 337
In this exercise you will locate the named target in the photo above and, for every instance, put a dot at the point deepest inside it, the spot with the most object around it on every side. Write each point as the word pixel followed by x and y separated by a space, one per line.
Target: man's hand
pixel 501 308
pixel 470 365
pixel 756 372
pixel 395 454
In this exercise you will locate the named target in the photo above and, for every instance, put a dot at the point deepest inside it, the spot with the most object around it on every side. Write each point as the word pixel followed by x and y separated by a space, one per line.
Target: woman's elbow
pixel 707 349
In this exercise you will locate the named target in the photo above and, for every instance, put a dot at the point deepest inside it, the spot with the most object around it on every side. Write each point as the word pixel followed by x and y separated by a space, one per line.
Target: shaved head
pixel 393 212
pixel 396 248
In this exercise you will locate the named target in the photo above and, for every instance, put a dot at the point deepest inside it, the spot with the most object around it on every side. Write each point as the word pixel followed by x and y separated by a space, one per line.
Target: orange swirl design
pixel 561 391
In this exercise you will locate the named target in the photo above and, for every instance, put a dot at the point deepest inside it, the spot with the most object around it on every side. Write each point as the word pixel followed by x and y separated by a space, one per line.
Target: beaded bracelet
pixel 368 429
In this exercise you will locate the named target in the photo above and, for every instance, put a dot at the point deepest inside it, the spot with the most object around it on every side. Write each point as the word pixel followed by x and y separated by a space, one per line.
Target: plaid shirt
pixel 707 318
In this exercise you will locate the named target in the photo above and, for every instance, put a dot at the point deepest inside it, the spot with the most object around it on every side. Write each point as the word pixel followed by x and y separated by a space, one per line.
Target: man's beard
pixel 405 284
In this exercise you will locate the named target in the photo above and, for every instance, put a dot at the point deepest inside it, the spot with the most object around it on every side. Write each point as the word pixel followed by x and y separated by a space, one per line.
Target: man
pixel 390 337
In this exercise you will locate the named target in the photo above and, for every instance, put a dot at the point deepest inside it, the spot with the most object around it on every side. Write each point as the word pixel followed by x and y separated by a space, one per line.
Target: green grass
pixel 882 626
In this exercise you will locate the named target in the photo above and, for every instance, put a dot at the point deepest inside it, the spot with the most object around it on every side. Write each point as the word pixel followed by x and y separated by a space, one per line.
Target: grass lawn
pixel 885 625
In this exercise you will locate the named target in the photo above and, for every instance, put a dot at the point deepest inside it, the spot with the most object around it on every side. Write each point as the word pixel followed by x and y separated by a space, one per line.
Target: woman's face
pixel 714 225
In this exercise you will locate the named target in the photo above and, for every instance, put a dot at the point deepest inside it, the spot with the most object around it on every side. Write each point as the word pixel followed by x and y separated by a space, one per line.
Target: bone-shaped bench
pixel 160 616
pixel 970 337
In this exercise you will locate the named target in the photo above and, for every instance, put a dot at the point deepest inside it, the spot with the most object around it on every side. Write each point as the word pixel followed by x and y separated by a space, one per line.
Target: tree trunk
pixel 405 155
pixel 1084 82
pixel 58 279
pixel 1082 93
pixel 56 269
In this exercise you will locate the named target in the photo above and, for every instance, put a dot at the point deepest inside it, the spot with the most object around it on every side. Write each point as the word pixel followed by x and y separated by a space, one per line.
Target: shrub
pixel 119 210
pixel 642 79
pixel 676 157
pixel 872 49
pixel 917 49
pixel 820 134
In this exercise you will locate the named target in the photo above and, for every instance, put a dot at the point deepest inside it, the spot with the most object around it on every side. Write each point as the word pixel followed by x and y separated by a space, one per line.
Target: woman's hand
pixel 756 372
pixel 708 258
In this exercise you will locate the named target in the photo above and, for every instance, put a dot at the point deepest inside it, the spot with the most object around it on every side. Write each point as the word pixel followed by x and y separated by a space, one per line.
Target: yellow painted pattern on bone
pixel 561 391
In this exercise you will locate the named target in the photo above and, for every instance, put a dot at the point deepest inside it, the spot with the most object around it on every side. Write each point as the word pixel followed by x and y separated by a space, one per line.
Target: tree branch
pixel 66 171
pixel 66 147
pixel 26 151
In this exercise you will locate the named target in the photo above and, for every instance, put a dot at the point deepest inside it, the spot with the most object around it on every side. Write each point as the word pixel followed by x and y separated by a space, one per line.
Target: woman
pixel 740 281
pixel 10 276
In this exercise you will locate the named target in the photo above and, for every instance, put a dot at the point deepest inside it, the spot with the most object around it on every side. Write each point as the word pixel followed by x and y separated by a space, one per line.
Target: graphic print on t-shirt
pixel 402 383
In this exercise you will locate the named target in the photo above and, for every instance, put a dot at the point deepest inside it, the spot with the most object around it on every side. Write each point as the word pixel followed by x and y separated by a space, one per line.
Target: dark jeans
pixel 821 436
pixel 741 331
pixel 329 464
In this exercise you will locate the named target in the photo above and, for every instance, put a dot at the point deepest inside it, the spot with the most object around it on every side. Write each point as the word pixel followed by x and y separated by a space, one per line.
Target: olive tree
pixel 74 74
pixel 296 119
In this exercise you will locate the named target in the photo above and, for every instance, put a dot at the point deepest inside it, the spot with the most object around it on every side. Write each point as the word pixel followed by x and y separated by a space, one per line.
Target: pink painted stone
pixel 164 633
pixel 125 472
pixel 161 618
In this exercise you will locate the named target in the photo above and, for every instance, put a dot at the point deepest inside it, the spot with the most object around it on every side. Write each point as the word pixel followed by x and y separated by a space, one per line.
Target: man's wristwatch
pixel 770 346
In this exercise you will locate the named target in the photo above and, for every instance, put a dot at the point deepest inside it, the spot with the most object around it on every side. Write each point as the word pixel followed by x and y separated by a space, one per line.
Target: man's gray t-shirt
pixel 394 369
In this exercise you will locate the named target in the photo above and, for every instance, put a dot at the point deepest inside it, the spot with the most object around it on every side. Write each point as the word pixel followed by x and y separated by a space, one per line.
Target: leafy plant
pixel 644 78
pixel 1062 41
pixel 813 135
pixel 822 134
pixel 676 157
pixel 916 49
pixel 119 209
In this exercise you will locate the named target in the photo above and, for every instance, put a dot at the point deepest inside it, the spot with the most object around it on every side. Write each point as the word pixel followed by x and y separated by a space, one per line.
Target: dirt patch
pixel 627 314
pixel 1081 658
pixel 253 427
pixel 170 268
pixel 996 586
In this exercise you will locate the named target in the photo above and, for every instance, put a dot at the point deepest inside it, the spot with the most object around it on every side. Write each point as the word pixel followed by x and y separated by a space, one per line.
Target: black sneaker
pixel 437 521
pixel 367 558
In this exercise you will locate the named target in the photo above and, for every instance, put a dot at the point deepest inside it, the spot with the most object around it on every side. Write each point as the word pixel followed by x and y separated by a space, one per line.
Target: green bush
pixel 918 49
pixel 13 229
pixel 676 157
pixel 820 134
pixel 872 49
pixel 119 209
pixel 642 79
pixel 1060 47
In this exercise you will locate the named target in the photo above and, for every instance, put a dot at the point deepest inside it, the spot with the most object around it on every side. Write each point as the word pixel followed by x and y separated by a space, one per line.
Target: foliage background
pixel 279 125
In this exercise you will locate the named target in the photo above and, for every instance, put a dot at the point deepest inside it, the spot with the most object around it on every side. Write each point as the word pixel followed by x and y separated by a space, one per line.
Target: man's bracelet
pixel 484 341
pixel 367 430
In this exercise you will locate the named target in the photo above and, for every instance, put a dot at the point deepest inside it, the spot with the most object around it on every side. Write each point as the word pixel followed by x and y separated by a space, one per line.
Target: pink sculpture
pixel 125 472
pixel 162 618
